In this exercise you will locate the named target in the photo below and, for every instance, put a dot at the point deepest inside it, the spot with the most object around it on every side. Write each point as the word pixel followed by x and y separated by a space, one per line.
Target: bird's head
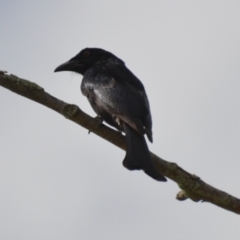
pixel 85 59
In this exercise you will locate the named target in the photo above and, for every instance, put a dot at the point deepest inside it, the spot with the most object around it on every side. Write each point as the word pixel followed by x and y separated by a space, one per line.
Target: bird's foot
pixel 97 121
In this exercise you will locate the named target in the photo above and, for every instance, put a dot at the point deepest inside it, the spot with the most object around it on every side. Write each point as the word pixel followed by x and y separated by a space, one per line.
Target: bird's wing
pixel 119 98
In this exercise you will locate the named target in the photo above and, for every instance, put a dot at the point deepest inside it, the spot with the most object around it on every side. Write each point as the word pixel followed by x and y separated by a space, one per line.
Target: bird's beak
pixel 72 66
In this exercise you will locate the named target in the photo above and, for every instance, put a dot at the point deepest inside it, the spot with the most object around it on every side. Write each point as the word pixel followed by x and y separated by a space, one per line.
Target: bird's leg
pixel 98 120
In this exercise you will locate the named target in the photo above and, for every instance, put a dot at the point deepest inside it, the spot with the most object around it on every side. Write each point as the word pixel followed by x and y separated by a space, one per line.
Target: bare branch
pixel 192 186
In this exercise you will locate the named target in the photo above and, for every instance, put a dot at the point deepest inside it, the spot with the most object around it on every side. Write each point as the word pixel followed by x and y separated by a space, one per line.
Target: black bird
pixel 119 98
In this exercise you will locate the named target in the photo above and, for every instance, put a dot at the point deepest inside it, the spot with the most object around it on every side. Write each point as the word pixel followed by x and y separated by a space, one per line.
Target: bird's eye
pixel 86 54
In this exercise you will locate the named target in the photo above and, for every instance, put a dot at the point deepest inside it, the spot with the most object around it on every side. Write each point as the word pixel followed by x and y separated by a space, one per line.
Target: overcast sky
pixel 59 182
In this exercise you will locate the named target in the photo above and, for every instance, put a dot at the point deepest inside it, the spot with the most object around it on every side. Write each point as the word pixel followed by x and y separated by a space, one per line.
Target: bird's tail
pixel 137 154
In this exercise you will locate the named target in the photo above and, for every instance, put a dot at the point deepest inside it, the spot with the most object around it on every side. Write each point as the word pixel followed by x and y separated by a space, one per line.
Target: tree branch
pixel 192 186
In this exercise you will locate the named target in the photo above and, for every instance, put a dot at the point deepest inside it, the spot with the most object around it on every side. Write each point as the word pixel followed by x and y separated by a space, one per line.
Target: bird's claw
pixel 98 121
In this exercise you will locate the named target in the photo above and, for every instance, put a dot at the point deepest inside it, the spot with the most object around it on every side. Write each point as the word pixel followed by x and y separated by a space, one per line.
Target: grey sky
pixel 58 182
